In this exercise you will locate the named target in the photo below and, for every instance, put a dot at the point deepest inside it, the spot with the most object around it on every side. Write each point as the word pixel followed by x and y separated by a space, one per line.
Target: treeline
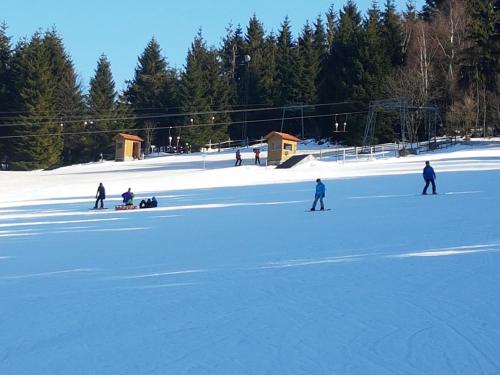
pixel 445 54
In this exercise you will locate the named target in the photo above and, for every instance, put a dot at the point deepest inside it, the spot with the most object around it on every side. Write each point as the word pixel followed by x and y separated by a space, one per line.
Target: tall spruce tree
pixel 254 47
pixel 153 89
pixel 376 62
pixel 320 41
pixel 6 88
pixel 231 53
pixel 344 68
pixel 102 111
pixel 430 8
pixel 288 67
pixel 331 26
pixel 218 92
pixel 39 143
pixel 69 100
pixel 193 97
pixel 392 34
pixel 311 64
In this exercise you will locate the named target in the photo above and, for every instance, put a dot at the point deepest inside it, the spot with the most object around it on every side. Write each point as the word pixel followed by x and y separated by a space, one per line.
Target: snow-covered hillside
pixel 230 275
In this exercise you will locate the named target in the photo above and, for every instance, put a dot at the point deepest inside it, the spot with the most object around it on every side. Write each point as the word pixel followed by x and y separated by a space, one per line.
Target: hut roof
pixel 285 136
pixel 130 137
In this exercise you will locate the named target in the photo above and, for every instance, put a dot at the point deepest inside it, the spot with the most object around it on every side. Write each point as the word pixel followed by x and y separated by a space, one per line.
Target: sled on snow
pixel 124 207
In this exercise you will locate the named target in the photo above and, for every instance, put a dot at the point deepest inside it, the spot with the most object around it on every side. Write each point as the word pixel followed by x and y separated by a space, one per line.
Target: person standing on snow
pixel 238 158
pixel 319 195
pixel 257 156
pixel 429 177
pixel 100 195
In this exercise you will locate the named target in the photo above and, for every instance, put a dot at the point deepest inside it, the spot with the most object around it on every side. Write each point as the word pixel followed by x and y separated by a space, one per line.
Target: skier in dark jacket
pixel 238 158
pixel 319 195
pixel 100 195
pixel 429 177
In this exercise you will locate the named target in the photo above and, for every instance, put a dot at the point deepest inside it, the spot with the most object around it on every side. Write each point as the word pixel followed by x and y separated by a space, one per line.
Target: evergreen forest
pixel 254 81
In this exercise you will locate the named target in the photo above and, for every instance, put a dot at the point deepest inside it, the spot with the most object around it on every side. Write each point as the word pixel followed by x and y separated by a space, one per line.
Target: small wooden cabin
pixel 280 147
pixel 128 147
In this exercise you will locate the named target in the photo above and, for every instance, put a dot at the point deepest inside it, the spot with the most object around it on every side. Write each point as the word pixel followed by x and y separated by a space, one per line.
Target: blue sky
pixel 121 29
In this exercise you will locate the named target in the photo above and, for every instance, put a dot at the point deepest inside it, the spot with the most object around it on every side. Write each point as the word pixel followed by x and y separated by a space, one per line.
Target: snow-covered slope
pixel 230 275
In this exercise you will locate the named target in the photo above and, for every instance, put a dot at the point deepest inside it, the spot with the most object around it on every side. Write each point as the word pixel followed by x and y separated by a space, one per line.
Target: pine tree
pixel 218 92
pixel 153 89
pixel 288 67
pixel 39 143
pixel 392 34
pixel 102 111
pixel 6 88
pixel 231 53
pixel 254 47
pixel 311 64
pixel 331 26
pixel 376 63
pixel 320 41
pixel 193 95
pixel 69 100
pixel 344 68
pixel 343 75
pixel 430 8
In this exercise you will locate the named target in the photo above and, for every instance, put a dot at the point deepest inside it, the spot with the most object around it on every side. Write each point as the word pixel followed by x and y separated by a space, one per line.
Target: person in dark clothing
pixel 154 202
pixel 319 195
pixel 100 195
pixel 429 177
pixel 257 156
pixel 238 158
pixel 143 204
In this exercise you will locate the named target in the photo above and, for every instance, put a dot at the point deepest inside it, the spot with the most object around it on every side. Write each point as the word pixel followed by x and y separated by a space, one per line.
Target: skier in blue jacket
pixel 319 195
pixel 128 197
pixel 429 177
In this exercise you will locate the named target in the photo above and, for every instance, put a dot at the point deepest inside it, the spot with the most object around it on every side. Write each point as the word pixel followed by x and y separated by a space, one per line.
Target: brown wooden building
pixel 280 147
pixel 128 147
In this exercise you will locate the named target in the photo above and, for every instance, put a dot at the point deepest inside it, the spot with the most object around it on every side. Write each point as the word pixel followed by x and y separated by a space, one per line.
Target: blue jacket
pixel 429 173
pixel 127 197
pixel 320 189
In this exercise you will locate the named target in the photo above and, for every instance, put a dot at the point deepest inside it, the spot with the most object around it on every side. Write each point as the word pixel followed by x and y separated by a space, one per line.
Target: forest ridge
pixel 445 55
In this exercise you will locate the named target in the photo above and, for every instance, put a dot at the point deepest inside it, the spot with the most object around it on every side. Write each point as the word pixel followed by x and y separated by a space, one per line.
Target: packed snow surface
pixel 231 275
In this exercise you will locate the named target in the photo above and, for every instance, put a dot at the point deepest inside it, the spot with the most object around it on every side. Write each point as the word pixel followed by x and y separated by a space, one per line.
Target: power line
pixel 172 115
pixel 179 126
pixel 166 109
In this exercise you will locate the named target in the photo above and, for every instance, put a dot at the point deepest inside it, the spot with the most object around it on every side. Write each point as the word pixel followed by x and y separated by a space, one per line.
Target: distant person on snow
pixel 150 203
pixel 154 202
pixel 429 177
pixel 257 156
pixel 238 158
pixel 319 195
pixel 100 195
pixel 128 197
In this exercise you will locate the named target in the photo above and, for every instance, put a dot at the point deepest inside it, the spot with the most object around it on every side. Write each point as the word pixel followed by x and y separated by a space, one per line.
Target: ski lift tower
pixel 429 116
pixel 397 105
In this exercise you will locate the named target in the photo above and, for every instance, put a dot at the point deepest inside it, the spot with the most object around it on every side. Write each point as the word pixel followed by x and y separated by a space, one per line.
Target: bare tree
pixel 149 129
pixel 462 115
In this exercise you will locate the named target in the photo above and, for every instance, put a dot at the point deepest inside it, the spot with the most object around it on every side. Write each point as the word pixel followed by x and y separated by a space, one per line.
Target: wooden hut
pixel 128 147
pixel 280 147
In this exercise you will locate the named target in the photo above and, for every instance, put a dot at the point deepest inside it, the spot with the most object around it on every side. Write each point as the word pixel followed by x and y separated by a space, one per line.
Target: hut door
pixel 136 153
